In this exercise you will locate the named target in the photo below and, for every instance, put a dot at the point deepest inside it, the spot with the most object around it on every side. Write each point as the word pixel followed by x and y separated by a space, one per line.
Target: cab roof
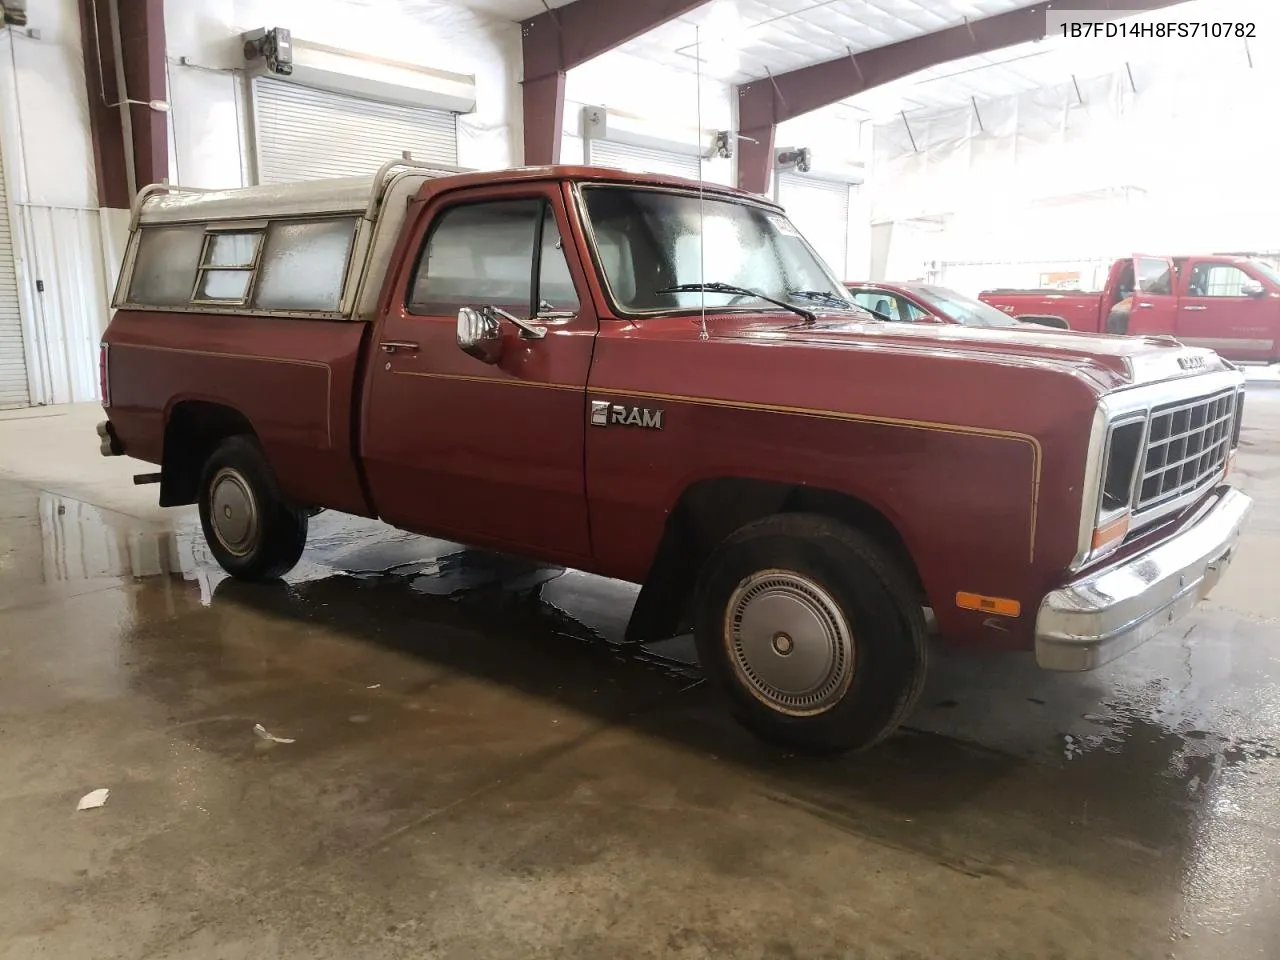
pixel 162 203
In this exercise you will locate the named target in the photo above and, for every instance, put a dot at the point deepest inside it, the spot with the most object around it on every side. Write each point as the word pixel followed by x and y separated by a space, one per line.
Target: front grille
pixel 1188 443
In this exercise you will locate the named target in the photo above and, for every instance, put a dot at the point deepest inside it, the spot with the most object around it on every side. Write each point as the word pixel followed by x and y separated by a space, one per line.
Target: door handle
pixel 1192 306
pixel 392 346
pixel 1146 306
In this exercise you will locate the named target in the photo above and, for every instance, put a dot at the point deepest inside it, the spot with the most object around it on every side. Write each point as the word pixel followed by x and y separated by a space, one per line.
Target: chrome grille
pixel 1188 443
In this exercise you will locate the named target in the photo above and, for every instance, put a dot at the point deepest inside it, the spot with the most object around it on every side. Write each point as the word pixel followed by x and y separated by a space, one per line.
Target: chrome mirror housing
pixel 479 334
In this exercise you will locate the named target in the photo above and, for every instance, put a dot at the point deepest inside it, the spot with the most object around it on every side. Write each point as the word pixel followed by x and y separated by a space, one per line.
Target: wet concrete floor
pixel 480 769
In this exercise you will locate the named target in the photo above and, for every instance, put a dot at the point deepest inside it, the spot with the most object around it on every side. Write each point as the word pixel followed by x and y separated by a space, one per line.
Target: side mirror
pixel 479 334
pixel 1252 288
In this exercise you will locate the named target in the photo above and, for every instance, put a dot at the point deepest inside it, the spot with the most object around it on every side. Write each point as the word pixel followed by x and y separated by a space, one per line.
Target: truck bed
pixel 1081 311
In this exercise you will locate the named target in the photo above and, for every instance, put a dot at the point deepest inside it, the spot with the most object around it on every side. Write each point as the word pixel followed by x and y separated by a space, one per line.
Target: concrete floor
pixel 478 773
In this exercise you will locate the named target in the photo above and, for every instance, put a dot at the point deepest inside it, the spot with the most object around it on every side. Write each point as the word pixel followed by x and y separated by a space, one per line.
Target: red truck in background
pixel 532 361
pixel 1229 304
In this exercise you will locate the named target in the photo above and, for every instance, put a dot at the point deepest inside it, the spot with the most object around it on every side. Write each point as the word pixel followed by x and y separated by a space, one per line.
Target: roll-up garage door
pixel 304 133
pixel 820 211
pixel 633 159
pixel 13 359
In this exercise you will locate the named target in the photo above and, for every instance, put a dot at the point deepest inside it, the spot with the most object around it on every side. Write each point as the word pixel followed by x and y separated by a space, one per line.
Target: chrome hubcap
pixel 233 512
pixel 789 642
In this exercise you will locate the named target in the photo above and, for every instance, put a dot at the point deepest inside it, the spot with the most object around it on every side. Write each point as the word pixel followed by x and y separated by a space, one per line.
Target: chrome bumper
pixel 1106 614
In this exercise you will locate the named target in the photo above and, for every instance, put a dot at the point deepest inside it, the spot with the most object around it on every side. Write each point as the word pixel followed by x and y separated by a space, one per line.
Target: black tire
pixel 853 706
pixel 238 476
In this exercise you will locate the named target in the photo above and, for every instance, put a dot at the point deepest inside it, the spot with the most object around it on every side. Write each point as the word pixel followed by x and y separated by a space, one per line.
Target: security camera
pixel 274 45
pixel 15 13
pixel 798 157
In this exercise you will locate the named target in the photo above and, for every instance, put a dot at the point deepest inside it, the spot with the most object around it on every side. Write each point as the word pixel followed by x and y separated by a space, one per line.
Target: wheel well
pixel 708 512
pixel 194 428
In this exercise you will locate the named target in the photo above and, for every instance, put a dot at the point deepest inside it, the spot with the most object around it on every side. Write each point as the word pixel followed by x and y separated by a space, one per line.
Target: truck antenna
pixel 702 240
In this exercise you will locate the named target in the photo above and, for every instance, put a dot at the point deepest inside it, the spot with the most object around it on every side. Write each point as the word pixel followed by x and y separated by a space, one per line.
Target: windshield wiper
pixel 824 296
pixel 835 300
pixel 717 287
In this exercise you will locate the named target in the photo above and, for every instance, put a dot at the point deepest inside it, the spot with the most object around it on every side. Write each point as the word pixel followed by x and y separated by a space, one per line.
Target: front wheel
pixel 812 633
pixel 252 531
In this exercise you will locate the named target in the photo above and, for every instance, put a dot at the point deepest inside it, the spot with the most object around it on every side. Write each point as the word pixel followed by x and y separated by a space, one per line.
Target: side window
pixel 913 313
pixel 479 254
pixel 555 284
pixel 884 304
pixel 304 265
pixel 1216 280
pixel 1153 276
pixel 164 269
pixel 227 265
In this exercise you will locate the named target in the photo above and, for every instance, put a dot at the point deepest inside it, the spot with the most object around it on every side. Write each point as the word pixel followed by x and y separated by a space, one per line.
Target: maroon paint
pixel 914 420
pixel 1234 323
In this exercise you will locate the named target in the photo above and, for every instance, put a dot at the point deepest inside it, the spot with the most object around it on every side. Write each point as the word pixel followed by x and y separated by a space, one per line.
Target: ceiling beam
pixel 565 37
pixel 764 103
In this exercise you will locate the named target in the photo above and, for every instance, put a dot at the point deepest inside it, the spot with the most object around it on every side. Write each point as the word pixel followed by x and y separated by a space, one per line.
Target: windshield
pixel 1267 270
pixel 649 240
pixel 962 309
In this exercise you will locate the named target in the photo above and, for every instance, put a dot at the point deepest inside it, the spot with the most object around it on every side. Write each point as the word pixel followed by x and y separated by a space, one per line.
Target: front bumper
pixel 1106 614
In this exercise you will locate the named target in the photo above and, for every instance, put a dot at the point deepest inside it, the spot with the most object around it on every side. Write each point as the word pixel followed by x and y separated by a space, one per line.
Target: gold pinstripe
pixel 1037 455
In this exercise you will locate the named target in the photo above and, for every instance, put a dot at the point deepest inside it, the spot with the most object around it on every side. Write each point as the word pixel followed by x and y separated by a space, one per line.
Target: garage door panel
pixel 305 133
pixel 14 390
pixel 633 159
pixel 820 210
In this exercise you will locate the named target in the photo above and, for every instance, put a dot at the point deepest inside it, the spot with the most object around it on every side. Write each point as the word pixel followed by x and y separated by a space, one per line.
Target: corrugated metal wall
pixel 62 252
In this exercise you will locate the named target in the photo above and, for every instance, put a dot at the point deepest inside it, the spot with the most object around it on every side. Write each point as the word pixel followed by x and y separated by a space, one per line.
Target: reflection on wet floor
pixel 476 746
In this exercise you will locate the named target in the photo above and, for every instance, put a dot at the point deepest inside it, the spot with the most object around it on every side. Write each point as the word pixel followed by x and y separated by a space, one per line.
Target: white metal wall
pixel 633 159
pixel 820 210
pixel 64 255
pixel 13 361
pixel 303 133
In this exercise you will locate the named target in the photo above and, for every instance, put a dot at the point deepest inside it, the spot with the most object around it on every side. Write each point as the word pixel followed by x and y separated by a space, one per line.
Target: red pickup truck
pixel 533 361
pixel 1226 303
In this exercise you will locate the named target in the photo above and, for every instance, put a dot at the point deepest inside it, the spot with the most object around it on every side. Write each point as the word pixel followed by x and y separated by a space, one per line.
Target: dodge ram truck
pixel 1229 304
pixel 659 381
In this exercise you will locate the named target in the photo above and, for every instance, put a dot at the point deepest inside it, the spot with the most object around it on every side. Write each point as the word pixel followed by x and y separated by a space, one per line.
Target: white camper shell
pixel 316 249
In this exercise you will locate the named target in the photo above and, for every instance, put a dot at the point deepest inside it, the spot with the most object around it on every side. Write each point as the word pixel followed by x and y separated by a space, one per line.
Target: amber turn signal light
pixel 1001 606
pixel 1111 532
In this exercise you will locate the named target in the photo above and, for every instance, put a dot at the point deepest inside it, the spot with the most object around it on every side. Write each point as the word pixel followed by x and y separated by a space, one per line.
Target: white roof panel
pixel 339 195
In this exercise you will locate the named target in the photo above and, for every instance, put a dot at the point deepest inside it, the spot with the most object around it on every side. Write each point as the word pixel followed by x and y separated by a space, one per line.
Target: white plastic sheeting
pixel 1172 156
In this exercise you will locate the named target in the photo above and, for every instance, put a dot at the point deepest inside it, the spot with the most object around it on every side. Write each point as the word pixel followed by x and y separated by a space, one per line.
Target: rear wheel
pixel 252 531
pixel 812 633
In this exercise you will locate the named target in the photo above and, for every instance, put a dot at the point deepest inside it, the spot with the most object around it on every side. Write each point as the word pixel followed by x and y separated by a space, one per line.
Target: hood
pixel 1112 362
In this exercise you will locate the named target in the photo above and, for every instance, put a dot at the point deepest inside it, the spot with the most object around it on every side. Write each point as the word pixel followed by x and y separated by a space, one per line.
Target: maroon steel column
pixel 565 37
pixel 543 118
pixel 142 45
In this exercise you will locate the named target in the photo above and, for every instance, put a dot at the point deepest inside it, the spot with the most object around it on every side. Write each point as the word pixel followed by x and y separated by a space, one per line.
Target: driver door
pixel 1155 307
pixel 488 454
